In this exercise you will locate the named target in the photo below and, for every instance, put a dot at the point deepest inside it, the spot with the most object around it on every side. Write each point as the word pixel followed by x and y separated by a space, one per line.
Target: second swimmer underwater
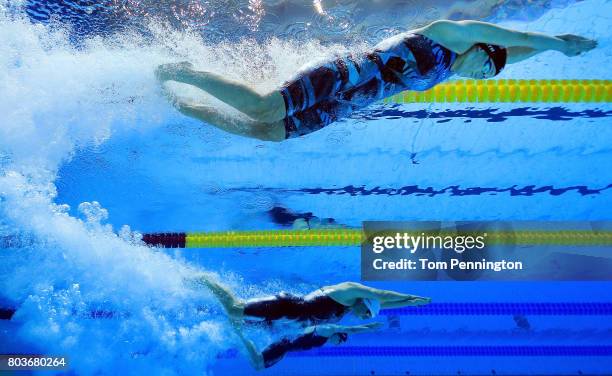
pixel 317 313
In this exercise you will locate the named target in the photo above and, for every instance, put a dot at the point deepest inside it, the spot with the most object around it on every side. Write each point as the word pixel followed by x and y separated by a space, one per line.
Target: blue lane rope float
pixel 442 309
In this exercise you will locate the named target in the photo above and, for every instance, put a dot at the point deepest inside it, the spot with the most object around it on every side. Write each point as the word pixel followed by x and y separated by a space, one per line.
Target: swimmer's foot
pixel 173 71
pixel 233 306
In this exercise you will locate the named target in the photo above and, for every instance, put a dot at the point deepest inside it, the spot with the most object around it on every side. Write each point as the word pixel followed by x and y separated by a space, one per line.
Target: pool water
pixel 92 156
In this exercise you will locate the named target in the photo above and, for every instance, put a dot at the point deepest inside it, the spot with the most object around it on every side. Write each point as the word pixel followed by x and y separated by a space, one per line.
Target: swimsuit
pixel 315 308
pixel 276 351
pixel 326 93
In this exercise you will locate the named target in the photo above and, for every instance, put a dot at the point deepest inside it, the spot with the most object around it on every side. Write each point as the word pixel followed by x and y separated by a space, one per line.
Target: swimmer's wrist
pixel 544 42
pixel 559 44
pixel 562 45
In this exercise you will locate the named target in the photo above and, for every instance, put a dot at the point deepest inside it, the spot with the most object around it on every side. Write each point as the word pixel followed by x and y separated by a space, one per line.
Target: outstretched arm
pixel 387 298
pixel 391 299
pixel 516 54
pixel 461 35
pixel 327 330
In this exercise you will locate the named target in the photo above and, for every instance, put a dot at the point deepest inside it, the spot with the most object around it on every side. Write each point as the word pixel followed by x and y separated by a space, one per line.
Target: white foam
pixel 55 99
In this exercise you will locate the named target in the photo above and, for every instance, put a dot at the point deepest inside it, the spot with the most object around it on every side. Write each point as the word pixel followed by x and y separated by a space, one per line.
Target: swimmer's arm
pixel 468 33
pixel 516 54
pixel 362 328
pixel 405 300
pixel 386 297
pixel 327 330
pixel 463 34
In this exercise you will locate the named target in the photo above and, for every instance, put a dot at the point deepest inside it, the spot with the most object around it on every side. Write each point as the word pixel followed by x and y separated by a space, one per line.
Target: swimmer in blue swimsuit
pixel 322 94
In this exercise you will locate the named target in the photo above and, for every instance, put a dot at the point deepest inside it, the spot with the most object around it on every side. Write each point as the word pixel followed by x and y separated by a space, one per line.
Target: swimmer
pixel 324 93
pixel 325 305
pixel 312 337
pixel 301 221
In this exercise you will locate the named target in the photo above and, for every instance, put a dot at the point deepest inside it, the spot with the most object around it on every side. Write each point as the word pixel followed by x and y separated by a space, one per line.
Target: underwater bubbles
pixel 335 21
pixel 59 102
pixel 376 33
pixel 300 31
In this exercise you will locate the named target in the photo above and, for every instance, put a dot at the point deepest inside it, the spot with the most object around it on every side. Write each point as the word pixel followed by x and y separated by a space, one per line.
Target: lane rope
pixel 436 309
pixel 511 91
pixel 345 237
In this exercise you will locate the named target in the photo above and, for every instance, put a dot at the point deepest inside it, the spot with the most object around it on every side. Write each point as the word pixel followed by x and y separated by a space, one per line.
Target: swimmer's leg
pixel 266 108
pixel 233 305
pixel 274 131
pixel 256 358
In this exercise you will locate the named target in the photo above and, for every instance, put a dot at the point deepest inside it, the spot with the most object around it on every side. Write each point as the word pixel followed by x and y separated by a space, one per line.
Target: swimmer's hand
pixel 576 45
pixel 374 325
pixel 405 300
pixel 419 300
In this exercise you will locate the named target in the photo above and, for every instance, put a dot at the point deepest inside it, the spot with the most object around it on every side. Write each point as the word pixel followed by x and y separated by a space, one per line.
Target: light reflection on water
pixel 329 21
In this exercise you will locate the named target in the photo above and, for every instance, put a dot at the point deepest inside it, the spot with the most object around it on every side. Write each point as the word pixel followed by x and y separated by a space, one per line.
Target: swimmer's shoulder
pixel 446 33
pixel 342 288
pixel 345 292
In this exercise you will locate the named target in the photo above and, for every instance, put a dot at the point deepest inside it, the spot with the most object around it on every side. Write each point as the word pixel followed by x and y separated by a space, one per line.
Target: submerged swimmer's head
pixel 338 338
pixel 366 308
pixel 481 61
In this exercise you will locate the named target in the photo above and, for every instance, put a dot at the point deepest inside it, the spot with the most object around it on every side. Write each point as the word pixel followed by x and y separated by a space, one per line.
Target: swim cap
pixel 373 306
pixel 498 55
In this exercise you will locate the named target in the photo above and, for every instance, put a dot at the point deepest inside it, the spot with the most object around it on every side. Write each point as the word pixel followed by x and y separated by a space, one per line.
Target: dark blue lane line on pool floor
pixel 560 309
pixel 440 309
pixel 401 351
pixel 453 190
pixel 443 351
pixel 492 115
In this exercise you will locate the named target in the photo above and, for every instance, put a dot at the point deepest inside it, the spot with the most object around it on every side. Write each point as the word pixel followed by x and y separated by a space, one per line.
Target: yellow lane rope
pixel 354 237
pixel 511 91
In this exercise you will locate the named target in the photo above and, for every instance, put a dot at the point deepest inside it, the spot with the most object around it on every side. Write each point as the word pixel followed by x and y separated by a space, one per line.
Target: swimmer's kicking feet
pixel 322 94
pixel 312 337
pixel 325 305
